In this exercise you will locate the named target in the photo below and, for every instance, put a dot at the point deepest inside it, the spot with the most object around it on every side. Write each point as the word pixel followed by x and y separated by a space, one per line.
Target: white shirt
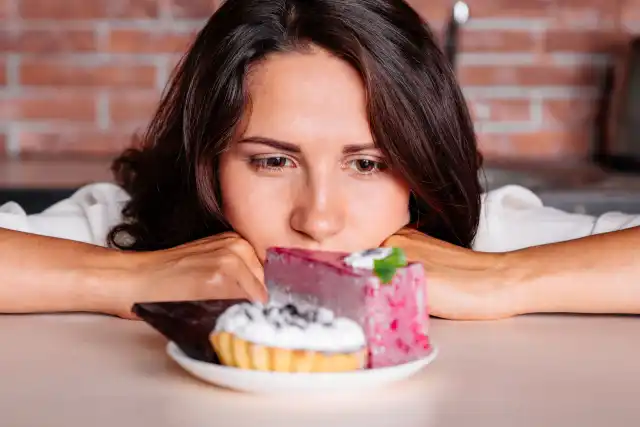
pixel 512 217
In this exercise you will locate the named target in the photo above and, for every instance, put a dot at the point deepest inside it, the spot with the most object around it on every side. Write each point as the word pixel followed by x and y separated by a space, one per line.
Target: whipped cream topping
pixel 365 259
pixel 291 326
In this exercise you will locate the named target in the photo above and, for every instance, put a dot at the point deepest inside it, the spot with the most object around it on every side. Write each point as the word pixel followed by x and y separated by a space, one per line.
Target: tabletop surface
pixel 83 370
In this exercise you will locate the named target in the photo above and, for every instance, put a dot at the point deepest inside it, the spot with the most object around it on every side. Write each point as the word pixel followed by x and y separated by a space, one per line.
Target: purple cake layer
pixel 394 316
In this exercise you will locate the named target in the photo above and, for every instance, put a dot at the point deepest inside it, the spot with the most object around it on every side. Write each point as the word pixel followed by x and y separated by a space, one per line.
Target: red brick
pixel 500 110
pixel 3 72
pixel 5 9
pixel 88 9
pixel 73 141
pixel 132 109
pixel 37 72
pixel 498 41
pixel 51 106
pixel 528 75
pixel 584 14
pixel 507 8
pixel 584 41
pixel 40 41
pixel 141 41
pixel 569 113
pixel 134 8
pixel 46 9
pixel 192 8
pixel 542 145
pixel 435 12
pixel 630 14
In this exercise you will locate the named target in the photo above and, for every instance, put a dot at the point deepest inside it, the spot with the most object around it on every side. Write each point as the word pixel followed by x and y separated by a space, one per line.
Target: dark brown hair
pixel 416 111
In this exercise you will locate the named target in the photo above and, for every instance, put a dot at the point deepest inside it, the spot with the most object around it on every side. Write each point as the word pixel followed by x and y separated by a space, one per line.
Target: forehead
pixel 307 96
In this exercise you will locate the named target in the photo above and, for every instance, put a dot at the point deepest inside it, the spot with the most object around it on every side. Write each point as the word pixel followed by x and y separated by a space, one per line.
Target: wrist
pixel 112 283
pixel 510 280
pixel 531 286
pixel 499 283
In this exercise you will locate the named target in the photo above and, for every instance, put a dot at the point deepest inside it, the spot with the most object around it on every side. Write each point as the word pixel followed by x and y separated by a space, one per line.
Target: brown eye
pixel 272 163
pixel 276 162
pixel 366 166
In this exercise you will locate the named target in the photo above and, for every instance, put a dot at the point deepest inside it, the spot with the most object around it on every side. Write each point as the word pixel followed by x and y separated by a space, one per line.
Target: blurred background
pixel 79 77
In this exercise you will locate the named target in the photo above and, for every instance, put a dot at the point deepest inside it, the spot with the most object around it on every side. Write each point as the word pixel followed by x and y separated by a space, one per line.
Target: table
pixel 84 370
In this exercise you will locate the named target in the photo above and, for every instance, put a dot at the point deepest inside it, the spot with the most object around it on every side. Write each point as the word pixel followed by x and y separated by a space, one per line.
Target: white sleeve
pixel 86 216
pixel 513 217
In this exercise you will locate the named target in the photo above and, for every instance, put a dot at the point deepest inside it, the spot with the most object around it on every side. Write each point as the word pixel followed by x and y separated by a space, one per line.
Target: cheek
pixel 383 211
pixel 255 207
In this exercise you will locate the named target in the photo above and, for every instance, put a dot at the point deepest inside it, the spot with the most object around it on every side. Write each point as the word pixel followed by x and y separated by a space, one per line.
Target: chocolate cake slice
pixel 186 323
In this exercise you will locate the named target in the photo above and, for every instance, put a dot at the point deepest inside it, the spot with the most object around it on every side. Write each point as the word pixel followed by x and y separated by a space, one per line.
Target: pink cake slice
pixel 394 315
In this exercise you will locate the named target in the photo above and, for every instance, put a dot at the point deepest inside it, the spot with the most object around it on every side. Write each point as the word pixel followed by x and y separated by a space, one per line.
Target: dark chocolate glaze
pixel 187 323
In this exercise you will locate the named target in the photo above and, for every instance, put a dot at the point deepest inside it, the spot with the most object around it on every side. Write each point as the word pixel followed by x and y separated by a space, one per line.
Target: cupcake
pixel 288 338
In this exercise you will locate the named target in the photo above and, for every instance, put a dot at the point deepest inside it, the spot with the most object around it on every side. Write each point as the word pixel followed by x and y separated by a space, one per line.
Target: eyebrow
pixel 293 148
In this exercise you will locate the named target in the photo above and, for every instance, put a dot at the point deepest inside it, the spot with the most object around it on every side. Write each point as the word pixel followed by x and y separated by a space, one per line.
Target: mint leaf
pixel 385 268
pixel 384 271
pixel 397 257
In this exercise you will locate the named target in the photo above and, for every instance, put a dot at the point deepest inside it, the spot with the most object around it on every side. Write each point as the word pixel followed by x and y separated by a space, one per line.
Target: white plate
pixel 275 382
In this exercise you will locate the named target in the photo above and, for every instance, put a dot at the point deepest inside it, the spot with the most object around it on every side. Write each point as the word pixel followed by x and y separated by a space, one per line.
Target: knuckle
pixel 228 259
pixel 239 245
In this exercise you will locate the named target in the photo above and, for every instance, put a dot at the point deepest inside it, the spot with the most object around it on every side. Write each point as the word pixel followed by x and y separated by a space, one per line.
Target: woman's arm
pixel 45 274
pixel 595 274
pixel 56 261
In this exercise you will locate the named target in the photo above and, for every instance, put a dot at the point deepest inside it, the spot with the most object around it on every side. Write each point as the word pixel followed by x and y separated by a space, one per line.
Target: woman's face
pixel 304 172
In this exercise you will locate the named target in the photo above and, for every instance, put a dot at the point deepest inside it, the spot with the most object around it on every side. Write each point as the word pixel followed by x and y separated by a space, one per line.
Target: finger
pixel 247 253
pixel 211 243
pixel 255 266
pixel 234 274
pixel 250 280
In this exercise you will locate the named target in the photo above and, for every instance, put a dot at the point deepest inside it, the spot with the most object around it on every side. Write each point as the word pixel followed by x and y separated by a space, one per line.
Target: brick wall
pixel 79 76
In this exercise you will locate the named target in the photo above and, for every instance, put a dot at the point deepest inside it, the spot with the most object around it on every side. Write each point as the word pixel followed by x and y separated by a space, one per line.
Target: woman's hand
pixel 224 266
pixel 461 284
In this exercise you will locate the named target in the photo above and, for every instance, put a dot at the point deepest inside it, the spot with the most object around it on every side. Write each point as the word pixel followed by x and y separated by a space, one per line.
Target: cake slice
pixel 377 288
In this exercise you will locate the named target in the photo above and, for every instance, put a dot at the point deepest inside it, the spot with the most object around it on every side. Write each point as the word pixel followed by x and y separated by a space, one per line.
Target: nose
pixel 319 213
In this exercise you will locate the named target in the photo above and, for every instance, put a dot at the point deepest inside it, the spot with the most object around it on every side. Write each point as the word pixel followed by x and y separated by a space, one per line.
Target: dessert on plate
pixel 288 338
pixel 378 288
pixel 328 312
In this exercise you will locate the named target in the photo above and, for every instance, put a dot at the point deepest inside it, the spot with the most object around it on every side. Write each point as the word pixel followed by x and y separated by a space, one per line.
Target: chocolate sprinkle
pixel 292 315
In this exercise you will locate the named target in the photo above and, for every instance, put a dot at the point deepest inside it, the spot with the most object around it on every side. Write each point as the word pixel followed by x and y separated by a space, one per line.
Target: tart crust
pixel 239 353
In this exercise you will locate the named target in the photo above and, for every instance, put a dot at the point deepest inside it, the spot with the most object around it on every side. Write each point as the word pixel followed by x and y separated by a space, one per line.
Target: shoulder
pixel 97 193
pixel 87 215
pixel 514 217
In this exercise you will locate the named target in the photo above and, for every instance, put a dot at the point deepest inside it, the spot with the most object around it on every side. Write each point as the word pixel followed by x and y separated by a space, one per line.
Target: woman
pixel 323 124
